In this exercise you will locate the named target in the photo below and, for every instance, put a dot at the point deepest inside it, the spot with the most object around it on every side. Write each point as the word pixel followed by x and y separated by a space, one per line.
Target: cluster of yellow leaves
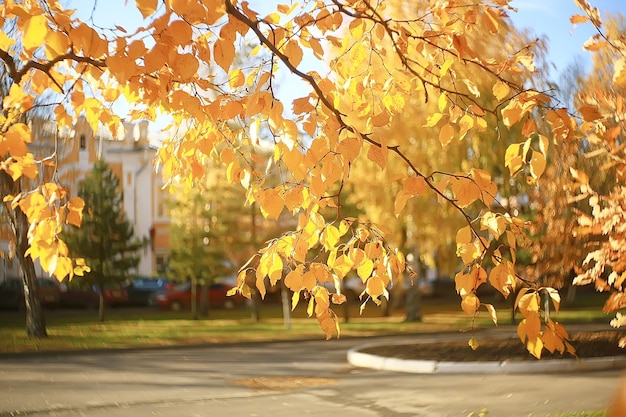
pixel 345 248
pixel 48 209
pixel 553 336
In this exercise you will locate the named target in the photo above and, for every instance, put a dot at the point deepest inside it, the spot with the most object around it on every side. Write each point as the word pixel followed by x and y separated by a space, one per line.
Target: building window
pixel 83 142
pixel 160 263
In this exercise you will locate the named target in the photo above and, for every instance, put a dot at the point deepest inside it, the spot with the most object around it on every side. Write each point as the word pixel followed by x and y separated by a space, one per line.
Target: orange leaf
pixel 378 155
pixel 146 7
pixel 446 134
pixel 294 53
pixel 224 53
pixel 415 185
pixel 578 18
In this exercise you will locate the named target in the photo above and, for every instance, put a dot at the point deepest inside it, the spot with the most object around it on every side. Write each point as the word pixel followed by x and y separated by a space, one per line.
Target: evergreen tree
pixel 106 239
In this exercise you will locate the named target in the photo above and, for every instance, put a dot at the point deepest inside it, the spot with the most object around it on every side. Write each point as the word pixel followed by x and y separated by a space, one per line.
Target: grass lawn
pixel 125 328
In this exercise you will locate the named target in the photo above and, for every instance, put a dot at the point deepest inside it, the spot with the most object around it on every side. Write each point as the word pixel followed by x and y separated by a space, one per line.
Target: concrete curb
pixel 366 360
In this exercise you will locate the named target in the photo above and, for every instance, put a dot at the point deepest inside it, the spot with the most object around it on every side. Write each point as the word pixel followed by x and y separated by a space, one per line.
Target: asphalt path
pixel 281 379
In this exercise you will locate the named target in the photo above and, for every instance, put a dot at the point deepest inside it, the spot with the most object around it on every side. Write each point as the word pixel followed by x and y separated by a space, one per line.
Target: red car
pixel 179 297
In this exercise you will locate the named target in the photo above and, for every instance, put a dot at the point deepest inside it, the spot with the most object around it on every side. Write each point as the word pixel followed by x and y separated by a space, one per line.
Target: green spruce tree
pixel 106 239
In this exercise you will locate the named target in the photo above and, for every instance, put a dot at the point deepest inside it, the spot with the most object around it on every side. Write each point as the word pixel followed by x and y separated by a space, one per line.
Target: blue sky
pixel 551 18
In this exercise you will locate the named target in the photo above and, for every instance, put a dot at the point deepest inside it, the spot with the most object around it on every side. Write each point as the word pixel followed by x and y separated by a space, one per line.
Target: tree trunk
pixel 205 301
pixel 285 301
pixel 35 322
pixel 101 305
pixel 255 309
pixel 413 302
pixel 194 299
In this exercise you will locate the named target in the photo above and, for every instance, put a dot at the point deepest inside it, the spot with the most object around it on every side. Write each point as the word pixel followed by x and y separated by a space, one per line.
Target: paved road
pixel 276 380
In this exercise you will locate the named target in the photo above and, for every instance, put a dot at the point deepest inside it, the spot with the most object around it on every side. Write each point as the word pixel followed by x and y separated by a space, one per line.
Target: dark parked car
pixel 73 296
pixel 141 289
pixel 179 297
pixel 12 293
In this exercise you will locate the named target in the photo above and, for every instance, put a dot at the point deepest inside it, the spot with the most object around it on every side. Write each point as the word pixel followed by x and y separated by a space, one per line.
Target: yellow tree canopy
pixel 183 61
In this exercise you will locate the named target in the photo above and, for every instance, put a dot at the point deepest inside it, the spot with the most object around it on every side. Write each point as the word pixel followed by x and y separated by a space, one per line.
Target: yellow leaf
pixel 537 164
pixel 528 304
pixel 512 113
pixel 495 223
pixel 375 287
pixel 85 38
pixel 464 236
pixel 464 284
pixel 342 266
pixel 469 253
pixel 535 346
pixel 401 199
pixel 492 313
pixel 272 18
pixel 445 67
pixel 502 278
pixel 500 90
pixel 433 119
pixel 512 158
pixel 295 299
pixel 365 269
pixel 236 78
pixel 442 102
pixel 471 86
pixel 35 32
pixel 5 42
pixel 470 304
pixel 271 203
pixel 329 237
pixel 473 343
pixel 57 44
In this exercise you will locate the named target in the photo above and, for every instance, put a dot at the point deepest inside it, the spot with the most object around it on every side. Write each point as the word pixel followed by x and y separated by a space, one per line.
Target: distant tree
pixel 194 255
pixel 106 239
